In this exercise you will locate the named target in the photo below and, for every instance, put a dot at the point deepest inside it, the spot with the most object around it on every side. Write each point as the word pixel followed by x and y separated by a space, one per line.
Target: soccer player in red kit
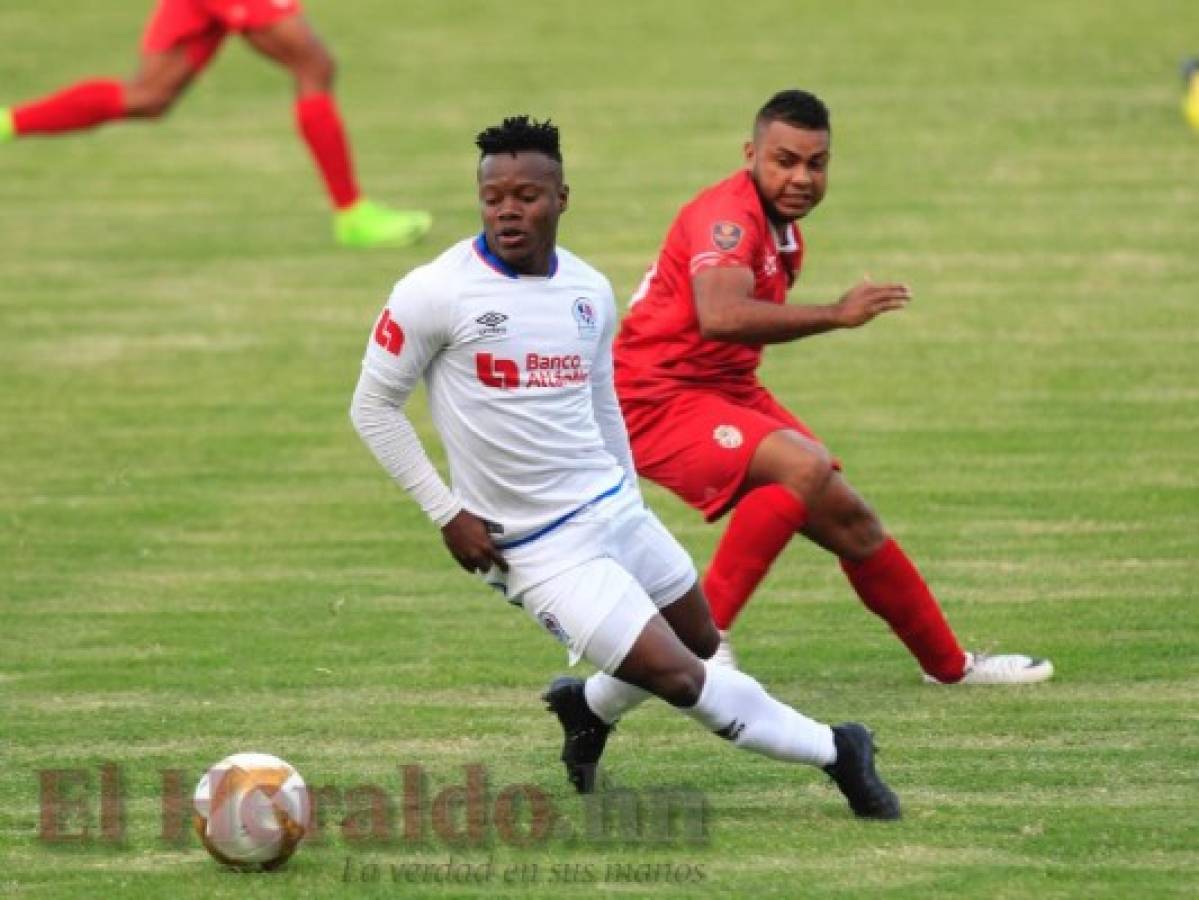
pixel 181 38
pixel 702 425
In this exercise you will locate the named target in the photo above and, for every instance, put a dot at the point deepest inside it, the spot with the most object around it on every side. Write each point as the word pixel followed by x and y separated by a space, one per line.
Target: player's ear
pixel 563 198
pixel 748 150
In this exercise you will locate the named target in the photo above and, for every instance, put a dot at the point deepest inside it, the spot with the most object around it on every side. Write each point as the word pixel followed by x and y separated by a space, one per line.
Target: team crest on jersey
pixel 554 627
pixel 491 324
pixel 726 235
pixel 585 316
pixel 728 436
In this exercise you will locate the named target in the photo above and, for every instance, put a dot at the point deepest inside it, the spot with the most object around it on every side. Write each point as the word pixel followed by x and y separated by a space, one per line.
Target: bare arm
pixel 727 310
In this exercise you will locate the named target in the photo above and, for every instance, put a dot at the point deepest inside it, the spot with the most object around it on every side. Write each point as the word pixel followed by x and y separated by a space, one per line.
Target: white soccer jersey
pixel 519 374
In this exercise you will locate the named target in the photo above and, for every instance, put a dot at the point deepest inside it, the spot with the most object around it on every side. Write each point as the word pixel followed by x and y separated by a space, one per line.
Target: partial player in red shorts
pixel 181 38
pixel 702 425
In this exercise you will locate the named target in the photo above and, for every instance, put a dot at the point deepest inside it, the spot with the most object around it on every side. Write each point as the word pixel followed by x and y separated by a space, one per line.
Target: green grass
pixel 197 557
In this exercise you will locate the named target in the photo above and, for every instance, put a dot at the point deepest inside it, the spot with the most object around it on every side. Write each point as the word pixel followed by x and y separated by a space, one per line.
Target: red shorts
pixel 201 25
pixel 699 443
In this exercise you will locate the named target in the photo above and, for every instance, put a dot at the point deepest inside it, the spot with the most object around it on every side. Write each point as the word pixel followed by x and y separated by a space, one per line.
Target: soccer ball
pixel 251 811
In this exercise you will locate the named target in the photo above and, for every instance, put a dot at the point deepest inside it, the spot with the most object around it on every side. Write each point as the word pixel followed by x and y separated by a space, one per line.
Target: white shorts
pixel 594 582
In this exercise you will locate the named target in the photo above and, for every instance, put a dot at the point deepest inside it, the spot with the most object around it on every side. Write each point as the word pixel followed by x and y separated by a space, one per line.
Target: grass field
pixel 197 556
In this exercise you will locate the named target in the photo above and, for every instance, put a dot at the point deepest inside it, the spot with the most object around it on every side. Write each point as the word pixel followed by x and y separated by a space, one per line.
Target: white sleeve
pixel 603 395
pixel 409 333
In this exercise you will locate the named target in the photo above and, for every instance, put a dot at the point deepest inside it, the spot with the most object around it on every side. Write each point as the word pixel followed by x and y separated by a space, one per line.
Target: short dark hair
pixel 517 133
pixel 794 107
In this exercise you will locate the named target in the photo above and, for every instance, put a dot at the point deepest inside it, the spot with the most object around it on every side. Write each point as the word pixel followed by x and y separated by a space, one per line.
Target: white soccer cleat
pixel 724 655
pixel 1002 668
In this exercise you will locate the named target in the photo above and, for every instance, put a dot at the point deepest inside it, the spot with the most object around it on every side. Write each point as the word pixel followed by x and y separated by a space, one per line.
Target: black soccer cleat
pixel 868 795
pixel 585 733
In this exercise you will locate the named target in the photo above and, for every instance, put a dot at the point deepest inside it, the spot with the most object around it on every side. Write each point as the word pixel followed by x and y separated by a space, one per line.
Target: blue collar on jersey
pixel 502 267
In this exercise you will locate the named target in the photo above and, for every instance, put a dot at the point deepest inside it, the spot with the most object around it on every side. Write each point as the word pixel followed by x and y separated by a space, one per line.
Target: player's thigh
pixel 699 445
pixel 792 459
pixel 162 76
pixel 292 43
pixel 595 609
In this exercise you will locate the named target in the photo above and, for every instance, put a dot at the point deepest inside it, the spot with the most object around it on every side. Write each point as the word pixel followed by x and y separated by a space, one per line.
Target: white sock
pixel 738 709
pixel 610 698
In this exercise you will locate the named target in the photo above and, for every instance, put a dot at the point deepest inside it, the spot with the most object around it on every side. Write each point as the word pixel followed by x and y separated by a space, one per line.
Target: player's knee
pixel 810 471
pixel 871 533
pixel 680 687
pixel 328 67
pixel 316 70
pixel 149 102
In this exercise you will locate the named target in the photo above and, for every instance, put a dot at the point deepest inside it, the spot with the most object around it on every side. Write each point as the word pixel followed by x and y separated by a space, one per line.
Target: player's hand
pixel 470 543
pixel 868 299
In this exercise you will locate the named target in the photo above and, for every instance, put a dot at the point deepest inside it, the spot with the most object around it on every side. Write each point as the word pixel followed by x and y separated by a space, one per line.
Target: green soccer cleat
pixel 1190 100
pixel 367 224
pixel 8 130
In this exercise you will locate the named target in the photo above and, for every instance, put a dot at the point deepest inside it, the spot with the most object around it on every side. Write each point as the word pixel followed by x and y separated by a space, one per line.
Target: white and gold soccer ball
pixel 251 811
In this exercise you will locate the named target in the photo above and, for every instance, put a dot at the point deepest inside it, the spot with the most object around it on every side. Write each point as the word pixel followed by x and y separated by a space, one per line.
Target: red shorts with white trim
pixel 201 25
pixel 699 443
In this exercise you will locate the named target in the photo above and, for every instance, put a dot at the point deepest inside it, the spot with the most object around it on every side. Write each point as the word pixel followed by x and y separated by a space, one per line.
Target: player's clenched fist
pixel 469 541
pixel 865 300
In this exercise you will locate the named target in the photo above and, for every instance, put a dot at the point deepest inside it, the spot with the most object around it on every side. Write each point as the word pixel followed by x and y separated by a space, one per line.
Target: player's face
pixel 789 165
pixel 521 197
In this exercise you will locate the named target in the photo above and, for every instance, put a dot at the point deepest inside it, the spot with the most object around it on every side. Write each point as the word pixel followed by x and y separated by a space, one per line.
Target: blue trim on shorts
pixel 562 520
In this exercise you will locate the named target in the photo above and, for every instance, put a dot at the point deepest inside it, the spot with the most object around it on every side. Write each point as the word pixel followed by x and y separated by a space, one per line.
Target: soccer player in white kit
pixel 513 335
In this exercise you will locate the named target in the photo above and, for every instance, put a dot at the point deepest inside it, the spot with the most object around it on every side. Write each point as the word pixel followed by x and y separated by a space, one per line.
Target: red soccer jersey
pixel 659 348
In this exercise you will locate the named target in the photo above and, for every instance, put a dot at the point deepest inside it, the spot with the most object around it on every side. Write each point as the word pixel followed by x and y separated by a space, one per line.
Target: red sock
pixel 892 588
pixel 82 105
pixel 763 523
pixel 319 123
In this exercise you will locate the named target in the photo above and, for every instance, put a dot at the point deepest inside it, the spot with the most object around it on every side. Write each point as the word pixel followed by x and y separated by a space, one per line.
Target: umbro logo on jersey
pixel 491 324
pixel 388 334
